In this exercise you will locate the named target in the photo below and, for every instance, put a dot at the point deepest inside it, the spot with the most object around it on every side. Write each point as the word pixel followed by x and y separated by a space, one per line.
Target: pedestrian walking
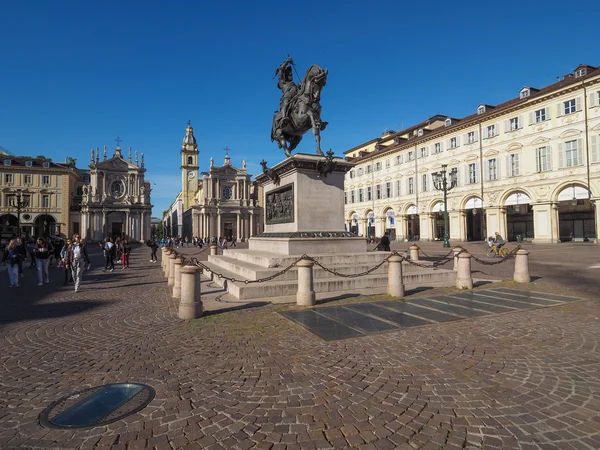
pixel 63 258
pixel 13 257
pixel 125 253
pixel 153 248
pixel 76 260
pixel 109 255
pixel 42 252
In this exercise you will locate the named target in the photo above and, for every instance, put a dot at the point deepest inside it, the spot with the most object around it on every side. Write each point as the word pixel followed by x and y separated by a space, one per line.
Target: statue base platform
pixel 300 243
pixel 303 198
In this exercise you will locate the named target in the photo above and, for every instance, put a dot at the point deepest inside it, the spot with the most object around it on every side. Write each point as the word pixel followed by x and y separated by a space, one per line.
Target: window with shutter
pixel 561 156
pixel 579 152
pixel 594 150
pixel 578 104
pixel 559 109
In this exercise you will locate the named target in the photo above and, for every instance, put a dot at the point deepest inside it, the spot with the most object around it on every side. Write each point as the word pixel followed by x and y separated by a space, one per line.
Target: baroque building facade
pixel 45 187
pixel 116 201
pixel 222 201
pixel 528 168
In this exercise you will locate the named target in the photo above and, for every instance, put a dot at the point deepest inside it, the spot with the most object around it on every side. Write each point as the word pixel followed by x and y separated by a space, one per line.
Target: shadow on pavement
pixel 23 312
pixel 236 308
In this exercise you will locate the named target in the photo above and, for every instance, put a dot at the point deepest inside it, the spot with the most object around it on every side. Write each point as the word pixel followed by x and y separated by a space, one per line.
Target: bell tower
pixel 189 167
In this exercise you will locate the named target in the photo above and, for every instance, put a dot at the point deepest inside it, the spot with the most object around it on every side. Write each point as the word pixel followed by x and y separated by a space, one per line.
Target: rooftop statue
pixel 300 107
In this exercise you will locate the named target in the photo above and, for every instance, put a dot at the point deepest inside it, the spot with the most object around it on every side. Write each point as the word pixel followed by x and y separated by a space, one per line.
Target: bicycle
pixel 493 252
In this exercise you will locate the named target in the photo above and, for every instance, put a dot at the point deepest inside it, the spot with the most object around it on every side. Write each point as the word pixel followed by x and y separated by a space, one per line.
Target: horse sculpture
pixel 300 107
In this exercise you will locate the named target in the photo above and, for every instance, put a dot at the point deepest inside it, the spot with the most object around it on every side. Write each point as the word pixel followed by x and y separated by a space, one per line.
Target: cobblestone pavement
pixel 249 378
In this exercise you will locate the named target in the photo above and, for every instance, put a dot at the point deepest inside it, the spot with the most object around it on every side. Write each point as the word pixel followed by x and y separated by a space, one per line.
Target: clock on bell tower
pixel 189 167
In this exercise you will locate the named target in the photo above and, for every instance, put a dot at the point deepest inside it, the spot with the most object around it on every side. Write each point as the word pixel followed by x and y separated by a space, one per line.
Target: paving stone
pixel 248 378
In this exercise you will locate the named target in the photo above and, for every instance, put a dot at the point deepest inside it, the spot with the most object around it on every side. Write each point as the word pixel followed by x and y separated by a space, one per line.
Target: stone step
pixel 281 289
pixel 271 260
pixel 249 271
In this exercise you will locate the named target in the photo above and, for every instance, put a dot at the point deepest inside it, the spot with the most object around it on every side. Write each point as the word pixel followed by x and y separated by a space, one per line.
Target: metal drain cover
pixel 97 406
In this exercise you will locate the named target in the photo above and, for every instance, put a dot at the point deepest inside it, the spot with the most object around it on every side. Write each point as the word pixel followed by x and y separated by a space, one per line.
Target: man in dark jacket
pixel 385 243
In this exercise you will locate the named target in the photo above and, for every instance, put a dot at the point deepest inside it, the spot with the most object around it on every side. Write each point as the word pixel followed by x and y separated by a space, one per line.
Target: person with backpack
pixel 109 255
pixel 153 247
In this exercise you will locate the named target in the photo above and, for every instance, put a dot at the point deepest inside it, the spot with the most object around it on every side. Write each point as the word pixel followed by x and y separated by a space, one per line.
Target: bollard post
pixel 456 251
pixel 166 263
pixel 213 249
pixel 463 274
pixel 306 292
pixel 190 306
pixel 395 281
pixel 162 259
pixel 171 270
pixel 414 252
pixel 177 264
pixel 522 267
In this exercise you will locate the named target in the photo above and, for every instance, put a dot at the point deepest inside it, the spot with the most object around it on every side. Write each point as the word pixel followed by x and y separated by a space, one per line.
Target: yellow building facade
pixel 43 189
pixel 528 168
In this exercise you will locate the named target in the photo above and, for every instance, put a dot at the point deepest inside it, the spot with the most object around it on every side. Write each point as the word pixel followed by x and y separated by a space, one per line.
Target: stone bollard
pixel 463 274
pixel 395 281
pixel 306 292
pixel 190 306
pixel 414 252
pixel 165 262
pixel 522 267
pixel 171 270
pixel 163 257
pixel 456 251
pixel 213 249
pixel 177 264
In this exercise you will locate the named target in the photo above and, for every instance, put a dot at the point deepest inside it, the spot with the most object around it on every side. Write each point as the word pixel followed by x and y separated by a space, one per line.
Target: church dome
pixel 189 138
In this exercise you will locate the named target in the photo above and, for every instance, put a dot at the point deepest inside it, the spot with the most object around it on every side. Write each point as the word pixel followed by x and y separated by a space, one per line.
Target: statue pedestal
pixel 303 207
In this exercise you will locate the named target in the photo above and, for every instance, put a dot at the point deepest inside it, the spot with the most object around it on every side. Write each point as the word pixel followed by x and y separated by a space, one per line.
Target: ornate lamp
pixel 517 207
pixel 442 183
pixel 574 200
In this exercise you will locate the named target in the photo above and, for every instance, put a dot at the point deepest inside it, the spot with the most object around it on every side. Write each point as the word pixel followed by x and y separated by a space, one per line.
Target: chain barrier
pixel 197 263
pixel 443 260
pixel 493 263
pixel 352 275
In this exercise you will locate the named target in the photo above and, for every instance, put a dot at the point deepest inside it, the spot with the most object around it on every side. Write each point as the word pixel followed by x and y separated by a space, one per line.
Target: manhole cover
pixel 97 406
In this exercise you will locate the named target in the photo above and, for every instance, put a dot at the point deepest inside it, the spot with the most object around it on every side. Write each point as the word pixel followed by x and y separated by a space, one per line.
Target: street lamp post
pixel 20 203
pixel 441 183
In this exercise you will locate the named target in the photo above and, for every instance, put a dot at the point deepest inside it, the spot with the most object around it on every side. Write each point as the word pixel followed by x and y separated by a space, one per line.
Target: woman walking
pixel 12 262
pixel 125 253
pixel 63 258
pixel 42 260
pixel 76 260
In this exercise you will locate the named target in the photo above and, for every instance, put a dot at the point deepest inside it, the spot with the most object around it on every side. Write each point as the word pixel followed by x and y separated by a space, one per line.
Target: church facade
pixel 116 202
pixel 222 201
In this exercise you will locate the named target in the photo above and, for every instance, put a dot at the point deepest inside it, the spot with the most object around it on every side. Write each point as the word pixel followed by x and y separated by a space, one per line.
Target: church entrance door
pixel 117 229
pixel 228 230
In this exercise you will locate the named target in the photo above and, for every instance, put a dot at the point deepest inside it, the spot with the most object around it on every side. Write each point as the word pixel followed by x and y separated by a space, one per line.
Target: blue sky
pixel 75 75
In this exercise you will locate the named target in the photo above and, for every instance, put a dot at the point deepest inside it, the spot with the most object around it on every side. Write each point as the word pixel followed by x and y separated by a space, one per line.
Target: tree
pixel 159 230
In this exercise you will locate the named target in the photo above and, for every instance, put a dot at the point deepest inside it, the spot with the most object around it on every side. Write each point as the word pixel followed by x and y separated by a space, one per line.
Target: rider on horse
pixel 287 86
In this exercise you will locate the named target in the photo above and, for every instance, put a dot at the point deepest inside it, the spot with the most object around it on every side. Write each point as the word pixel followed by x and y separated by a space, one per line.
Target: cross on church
pixel 226 150
pixel 118 140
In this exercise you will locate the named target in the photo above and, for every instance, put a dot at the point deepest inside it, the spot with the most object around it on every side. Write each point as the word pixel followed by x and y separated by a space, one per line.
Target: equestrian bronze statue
pixel 300 107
